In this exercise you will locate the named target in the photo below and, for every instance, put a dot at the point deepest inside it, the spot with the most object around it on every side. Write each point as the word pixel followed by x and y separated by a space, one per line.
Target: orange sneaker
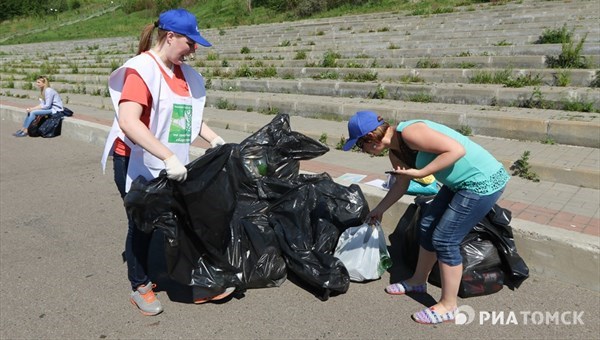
pixel 223 295
pixel 145 300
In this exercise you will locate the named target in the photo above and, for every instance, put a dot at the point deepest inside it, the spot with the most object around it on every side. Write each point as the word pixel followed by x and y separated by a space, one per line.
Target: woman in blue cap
pixel 159 103
pixel 472 179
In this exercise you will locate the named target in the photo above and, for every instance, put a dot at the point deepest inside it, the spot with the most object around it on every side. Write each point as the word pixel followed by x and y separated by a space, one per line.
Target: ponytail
pixel 146 37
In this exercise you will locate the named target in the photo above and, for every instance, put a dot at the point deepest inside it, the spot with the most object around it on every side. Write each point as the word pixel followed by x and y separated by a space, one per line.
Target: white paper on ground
pixel 352 178
pixel 378 183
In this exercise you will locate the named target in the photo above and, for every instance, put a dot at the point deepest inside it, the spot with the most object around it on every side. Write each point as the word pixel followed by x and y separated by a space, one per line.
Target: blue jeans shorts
pixel 449 218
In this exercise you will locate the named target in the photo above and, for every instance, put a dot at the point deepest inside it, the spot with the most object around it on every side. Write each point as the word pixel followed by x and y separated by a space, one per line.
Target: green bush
pixel 368 76
pixel 300 55
pixel 427 63
pixel 420 98
pixel 555 36
pixel 578 105
pixel 380 93
pixel 330 59
pixel 570 57
pixel 327 75
pixel 522 168
pixel 506 78
pixel 562 78
pixel 244 71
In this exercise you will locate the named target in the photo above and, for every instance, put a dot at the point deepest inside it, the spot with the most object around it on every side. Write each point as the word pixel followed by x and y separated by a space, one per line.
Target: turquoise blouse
pixel 477 171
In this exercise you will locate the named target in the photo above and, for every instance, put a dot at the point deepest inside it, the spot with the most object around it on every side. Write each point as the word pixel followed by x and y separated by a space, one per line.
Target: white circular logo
pixel 464 315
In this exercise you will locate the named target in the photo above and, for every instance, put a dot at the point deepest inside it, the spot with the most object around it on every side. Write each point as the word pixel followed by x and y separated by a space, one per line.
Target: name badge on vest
pixel 181 124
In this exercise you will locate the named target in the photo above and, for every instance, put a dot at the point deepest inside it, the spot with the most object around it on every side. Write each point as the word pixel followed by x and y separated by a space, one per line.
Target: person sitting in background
pixel 50 102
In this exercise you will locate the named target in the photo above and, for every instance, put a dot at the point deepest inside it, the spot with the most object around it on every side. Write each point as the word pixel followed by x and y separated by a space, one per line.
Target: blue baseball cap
pixel 183 22
pixel 360 125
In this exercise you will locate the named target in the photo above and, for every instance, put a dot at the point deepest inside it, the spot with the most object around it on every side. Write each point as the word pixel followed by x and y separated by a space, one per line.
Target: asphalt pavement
pixel 63 226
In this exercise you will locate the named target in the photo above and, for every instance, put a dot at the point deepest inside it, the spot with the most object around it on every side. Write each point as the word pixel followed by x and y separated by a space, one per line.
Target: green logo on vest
pixel 181 124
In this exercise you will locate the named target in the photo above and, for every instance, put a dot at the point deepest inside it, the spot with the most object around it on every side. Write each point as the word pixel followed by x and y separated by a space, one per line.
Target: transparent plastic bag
pixel 363 252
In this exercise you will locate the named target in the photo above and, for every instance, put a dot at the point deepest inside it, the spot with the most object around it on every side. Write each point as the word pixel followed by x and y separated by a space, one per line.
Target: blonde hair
pixel 46 82
pixel 146 37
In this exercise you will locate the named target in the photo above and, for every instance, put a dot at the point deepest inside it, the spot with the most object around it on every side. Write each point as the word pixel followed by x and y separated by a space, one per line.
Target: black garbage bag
pixel 275 150
pixel 496 225
pixel 482 272
pixel 406 236
pixel 51 127
pixel 490 258
pixel 308 220
pixel 219 222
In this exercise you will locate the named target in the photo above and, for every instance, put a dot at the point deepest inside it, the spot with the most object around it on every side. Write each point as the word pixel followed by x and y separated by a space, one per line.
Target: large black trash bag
pixel 225 217
pixel 220 226
pixel 497 226
pixel 308 220
pixel 482 272
pixel 490 257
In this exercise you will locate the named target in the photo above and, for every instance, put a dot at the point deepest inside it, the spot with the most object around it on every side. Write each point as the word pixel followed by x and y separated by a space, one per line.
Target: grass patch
pixel 330 59
pixel 427 63
pixel 506 78
pixel 580 105
pixel 522 168
pixel 326 75
pixel 570 57
pixel 420 98
pixel 555 36
pixel 361 77
pixel 562 78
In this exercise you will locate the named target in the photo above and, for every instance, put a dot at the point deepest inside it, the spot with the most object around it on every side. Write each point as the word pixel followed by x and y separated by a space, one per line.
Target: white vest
pixel 174 120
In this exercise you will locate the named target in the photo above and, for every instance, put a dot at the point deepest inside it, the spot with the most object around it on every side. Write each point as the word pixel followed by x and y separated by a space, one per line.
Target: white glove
pixel 217 141
pixel 175 170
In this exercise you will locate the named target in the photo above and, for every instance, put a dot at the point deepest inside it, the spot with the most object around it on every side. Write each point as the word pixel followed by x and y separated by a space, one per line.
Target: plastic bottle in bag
pixel 256 165
pixel 261 166
pixel 384 263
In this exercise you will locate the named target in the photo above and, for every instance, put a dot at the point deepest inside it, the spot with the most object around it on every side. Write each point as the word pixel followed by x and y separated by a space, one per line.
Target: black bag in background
pixel 482 273
pixel 67 112
pixel 52 126
pixel 32 129
pixel 46 126
pixel 490 258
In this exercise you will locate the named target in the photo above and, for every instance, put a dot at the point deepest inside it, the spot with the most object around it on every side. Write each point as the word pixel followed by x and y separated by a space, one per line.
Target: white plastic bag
pixel 363 252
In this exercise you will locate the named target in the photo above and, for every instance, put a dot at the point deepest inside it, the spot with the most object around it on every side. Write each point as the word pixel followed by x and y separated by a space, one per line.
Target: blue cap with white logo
pixel 360 125
pixel 183 22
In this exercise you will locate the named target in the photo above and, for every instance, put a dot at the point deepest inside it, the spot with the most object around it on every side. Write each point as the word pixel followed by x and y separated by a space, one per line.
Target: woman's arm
pixel 210 136
pixel 37 107
pixel 49 98
pixel 397 190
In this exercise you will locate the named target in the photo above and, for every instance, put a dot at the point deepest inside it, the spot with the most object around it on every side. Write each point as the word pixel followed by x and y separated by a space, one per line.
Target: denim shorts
pixel 449 218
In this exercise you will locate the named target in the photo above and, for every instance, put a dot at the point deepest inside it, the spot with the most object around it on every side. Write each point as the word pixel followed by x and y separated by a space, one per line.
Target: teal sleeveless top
pixel 477 171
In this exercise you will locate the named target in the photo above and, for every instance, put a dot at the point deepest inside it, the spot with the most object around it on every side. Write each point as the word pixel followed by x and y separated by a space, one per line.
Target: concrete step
pixel 535 125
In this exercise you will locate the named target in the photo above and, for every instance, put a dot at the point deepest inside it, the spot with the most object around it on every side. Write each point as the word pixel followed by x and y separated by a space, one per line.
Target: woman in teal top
pixel 472 179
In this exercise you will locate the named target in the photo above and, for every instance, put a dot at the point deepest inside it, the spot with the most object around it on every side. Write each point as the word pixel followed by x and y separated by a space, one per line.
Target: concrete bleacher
pixel 401 49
